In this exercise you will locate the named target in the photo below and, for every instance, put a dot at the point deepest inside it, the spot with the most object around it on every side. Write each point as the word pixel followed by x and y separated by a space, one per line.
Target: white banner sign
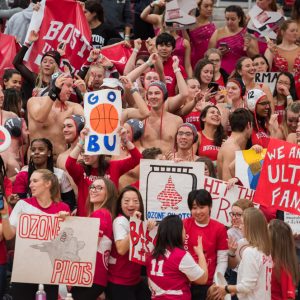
pixel 52 251
pixel 165 186
pixel 102 111
pixel 223 198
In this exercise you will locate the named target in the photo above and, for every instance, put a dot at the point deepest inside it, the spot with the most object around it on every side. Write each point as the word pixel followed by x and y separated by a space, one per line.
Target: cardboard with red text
pixel 52 251
pixel 141 240
pixel 54 26
pixel 165 186
pixel 279 181
pixel 223 198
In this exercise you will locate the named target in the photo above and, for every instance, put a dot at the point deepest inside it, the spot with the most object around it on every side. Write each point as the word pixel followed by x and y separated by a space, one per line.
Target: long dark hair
pixel 219 135
pixel 2 175
pixel 238 67
pixel 12 99
pixel 103 165
pixel 50 162
pixel 169 235
pixel 199 66
pixel 239 12
pixel 119 200
pixel 292 89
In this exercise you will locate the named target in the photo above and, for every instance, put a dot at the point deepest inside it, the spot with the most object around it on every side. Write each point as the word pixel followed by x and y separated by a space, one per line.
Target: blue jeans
pixel 2 280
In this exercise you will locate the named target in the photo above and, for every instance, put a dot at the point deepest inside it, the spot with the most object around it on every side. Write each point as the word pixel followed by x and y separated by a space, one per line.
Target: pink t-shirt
pixel 104 245
pixel 121 270
pixel 169 275
pixel 214 238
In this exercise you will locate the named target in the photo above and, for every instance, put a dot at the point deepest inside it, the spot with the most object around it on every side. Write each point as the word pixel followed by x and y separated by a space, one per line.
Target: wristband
pixel 110 67
pixel 90 59
pixel 133 90
pixel 81 142
pixel 149 63
pixel 177 70
pixel 54 93
pixel 136 50
pixel 226 289
pixel 231 254
pixel 28 44
pixel 5 216
pixel 127 37
pixel 289 97
pixel 151 5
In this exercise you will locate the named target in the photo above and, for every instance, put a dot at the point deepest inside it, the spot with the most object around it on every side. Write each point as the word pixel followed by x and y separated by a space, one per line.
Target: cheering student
pixel 214 239
pixel 255 269
pixel 44 201
pixel 170 268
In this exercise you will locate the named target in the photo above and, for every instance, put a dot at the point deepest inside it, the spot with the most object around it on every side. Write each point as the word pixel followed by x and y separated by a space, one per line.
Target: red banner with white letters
pixel 279 181
pixel 56 22
pixel 8 50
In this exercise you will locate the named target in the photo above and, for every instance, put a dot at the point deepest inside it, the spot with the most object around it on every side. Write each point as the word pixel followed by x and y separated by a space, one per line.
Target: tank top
pixel 207 148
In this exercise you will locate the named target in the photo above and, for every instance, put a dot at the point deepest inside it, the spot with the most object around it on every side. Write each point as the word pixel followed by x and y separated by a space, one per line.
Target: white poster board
pixel 268 78
pixel 293 221
pixel 223 198
pixel 165 186
pixel 55 251
pixel 102 112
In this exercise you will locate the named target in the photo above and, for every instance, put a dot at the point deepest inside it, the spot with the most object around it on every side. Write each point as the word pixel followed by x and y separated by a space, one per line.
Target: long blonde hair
pixel 256 230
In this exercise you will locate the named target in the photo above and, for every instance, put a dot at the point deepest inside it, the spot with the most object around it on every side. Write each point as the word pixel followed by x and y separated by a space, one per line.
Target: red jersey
pixel 214 238
pixel 207 148
pixel 121 270
pixel 169 275
pixel 193 118
pixel 283 289
pixel 104 245
pixel 170 76
pixel 115 170
pixel 260 137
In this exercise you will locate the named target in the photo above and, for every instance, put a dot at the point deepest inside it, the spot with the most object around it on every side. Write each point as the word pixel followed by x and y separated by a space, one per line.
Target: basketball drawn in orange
pixel 104 118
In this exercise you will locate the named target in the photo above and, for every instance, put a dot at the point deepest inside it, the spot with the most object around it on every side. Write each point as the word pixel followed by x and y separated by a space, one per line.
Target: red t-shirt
pixel 214 238
pixel 283 289
pixel 104 245
pixel 193 118
pixel 260 137
pixel 115 170
pixel 207 148
pixel 280 110
pixel 170 76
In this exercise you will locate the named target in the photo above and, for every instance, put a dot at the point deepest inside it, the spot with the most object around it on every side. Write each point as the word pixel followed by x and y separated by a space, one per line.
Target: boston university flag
pixel 56 22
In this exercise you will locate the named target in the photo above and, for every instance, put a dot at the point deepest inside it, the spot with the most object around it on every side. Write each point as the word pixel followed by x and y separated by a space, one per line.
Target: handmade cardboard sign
pixel 279 181
pixel 141 240
pixel 55 251
pixel 248 165
pixel 223 198
pixel 102 112
pixel 269 78
pixel 165 186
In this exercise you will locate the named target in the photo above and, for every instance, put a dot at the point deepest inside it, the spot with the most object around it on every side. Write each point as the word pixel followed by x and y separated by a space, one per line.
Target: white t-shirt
pixel 254 275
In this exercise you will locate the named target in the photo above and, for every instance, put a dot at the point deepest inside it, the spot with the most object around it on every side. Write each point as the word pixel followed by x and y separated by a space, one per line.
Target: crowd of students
pixel 189 95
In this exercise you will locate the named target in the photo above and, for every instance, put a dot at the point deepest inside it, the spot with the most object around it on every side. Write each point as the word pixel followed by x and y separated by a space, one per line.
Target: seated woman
pixel 45 190
pixel 41 157
pixel 230 39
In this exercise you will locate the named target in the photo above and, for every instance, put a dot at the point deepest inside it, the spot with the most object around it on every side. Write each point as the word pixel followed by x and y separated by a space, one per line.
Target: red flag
pixel 61 22
pixel 8 50
pixel 118 54
pixel 279 182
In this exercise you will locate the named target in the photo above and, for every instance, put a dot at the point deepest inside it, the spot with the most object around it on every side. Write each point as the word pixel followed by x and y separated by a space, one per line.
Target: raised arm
pixel 130 65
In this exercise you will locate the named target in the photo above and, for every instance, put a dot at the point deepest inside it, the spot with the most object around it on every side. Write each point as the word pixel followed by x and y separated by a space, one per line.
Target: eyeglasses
pixel 97 188
pixel 187 134
pixel 266 103
pixel 237 215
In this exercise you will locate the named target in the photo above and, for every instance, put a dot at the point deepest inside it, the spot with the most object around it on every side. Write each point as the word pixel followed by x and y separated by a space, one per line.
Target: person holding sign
pixel 255 269
pixel 170 268
pixel 214 239
pixel 101 201
pixel 95 166
pixel 124 276
pixel 45 190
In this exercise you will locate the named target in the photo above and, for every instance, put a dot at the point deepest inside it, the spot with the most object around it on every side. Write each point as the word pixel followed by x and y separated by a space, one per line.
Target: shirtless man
pixel 241 124
pixel 186 137
pixel 13 156
pixel 47 114
pixel 161 126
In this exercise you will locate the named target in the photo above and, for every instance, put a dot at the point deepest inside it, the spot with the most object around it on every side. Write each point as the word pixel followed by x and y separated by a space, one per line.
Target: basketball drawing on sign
pixel 64 247
pixel 169 197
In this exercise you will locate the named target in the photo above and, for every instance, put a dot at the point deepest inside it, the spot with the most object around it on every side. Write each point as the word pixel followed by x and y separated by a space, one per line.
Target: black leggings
pixel 199 292
pixel 139 291
pixel 84 293
pixel 21 291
